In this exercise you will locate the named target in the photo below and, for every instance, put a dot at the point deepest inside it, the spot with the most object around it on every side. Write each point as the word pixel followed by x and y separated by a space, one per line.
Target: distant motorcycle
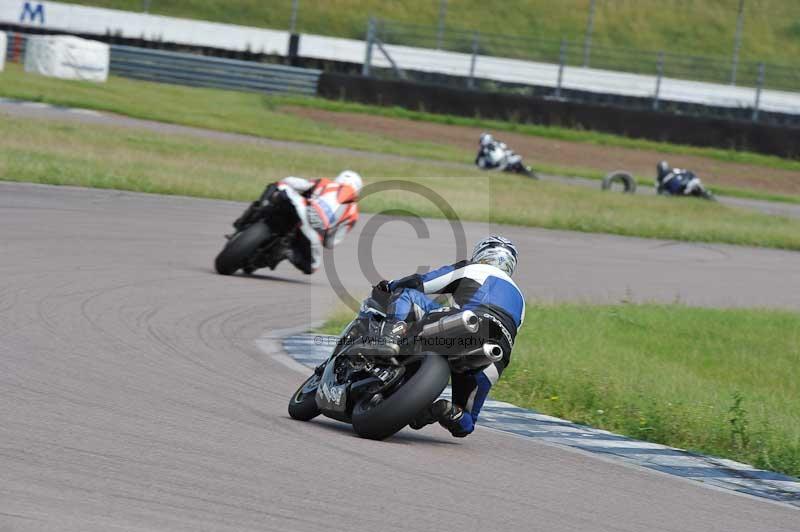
pixel 498 156
pixel 679 183
pixel 683 183
pixel 380 395
pixel 263 235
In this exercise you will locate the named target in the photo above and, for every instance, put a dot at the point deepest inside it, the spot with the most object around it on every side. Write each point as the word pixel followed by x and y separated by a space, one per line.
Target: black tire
pixel 626 179
pixel 381 420
pixel 520 168
pixel 241 247
pixel 529 172
pixel 708 195
pixel 303 404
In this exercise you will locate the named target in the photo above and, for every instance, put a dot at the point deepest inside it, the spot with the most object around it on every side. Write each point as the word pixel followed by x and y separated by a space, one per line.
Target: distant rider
pixel 327 210
pixel 491 153
pixel 675 181
pixel 482 284
pixel 496 155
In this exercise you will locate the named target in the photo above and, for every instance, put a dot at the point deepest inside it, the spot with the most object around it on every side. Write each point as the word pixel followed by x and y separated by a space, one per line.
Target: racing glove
pixel 381 293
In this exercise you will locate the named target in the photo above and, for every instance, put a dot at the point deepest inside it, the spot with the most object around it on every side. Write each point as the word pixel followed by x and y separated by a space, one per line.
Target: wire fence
pixel 713 69
pixel 739 30
pixel 591 29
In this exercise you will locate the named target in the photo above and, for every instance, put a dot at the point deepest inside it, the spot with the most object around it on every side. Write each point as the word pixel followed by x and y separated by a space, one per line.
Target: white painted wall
pixel 81 19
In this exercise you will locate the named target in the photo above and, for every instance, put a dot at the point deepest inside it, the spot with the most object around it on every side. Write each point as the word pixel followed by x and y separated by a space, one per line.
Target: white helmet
pixel 486 139
pixel 496 251
pixel 348 177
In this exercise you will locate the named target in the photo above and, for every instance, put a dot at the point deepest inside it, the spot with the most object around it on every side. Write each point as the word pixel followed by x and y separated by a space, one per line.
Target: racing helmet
pixel 486 139
pixel 496 251
pixel 348 177
pixel 662 169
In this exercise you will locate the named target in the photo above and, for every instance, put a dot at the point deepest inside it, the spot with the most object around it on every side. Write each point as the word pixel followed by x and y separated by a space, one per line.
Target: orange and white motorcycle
pixel 266 230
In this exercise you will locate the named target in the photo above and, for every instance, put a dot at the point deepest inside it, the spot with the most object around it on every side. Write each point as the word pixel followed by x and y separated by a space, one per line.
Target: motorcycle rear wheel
pixel 529 172
pixel 241 247
pixel 377 418
pixel 708 195
pixel 520 168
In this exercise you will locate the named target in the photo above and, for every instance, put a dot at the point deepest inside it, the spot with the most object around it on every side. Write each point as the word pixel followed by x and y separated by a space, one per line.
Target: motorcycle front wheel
pixel 377 417
pixel 241 247
pixel 303 404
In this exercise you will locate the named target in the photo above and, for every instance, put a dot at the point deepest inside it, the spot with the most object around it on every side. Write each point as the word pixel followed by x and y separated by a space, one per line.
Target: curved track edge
pixel 308 350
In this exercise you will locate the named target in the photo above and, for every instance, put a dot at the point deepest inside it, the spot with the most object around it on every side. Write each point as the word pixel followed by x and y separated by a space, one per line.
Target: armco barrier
pixel 203 71
pixel 667 127
pixel 196 70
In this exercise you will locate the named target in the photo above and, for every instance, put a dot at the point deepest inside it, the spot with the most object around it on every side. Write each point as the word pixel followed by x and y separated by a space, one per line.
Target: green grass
pixel 65 153
pixel 771 31
pixel 130 159
pixel 238 112
pixel 260 115
pixel 551 132
pixel 722 382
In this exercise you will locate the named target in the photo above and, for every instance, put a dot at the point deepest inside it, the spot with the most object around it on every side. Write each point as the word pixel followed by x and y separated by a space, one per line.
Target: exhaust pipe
pixel 488 353
pixel 465 322
pixel 493 352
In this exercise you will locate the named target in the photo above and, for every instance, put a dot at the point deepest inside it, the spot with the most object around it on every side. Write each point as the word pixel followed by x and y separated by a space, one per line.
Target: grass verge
pixel 66 153
pixel 230 111
pixel 261 116
pixel 552 132
pixel 720 382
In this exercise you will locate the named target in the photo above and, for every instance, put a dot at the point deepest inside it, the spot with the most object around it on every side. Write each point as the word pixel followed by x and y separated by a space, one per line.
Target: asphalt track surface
pixel 40 111
pixel 134 396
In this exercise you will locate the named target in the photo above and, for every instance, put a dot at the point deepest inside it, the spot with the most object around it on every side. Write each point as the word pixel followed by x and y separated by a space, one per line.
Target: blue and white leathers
pixel 482 288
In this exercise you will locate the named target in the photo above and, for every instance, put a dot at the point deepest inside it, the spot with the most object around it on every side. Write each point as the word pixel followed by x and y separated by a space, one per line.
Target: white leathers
pixel 326 209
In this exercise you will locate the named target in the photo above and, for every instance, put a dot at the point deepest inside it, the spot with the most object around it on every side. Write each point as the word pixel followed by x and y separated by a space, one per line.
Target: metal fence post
pixel 587 42
pixel 440 29
pixel 759 87
pixel 737 42
pixel 146 6
pixel 370 41
pixel 475 46
pixel 562 57
pixel 293 20
pixel 659 75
